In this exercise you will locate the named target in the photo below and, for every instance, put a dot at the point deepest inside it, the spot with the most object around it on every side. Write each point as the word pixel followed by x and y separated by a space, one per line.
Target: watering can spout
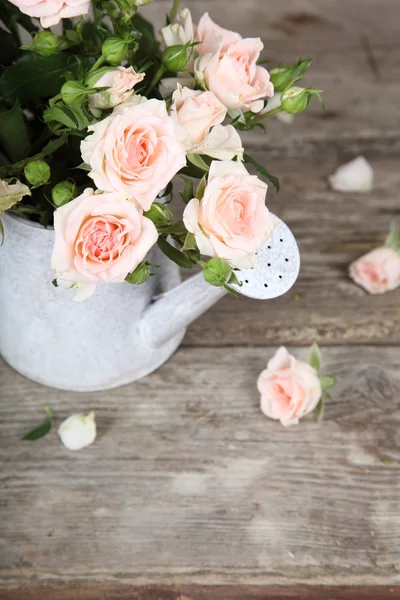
pixel 176 309
pixel 277 268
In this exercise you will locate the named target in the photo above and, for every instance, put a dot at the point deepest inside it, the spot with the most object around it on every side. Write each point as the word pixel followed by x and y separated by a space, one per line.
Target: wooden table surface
pixel 188 492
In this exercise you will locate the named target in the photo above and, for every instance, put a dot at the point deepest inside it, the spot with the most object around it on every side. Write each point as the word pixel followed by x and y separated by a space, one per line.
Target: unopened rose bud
pixel 63 192
pixel 217 272
pixel 281 76
pixel 295 100
pixel 44 43
pixel 114 50
pixel 175 58
pixel 78 431
pixel 37 172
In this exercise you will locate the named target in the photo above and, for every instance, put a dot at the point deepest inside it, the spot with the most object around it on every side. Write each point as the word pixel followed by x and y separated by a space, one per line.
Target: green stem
pixel 97 64
pixel 269 113
pixel 174 10
pixel 160 72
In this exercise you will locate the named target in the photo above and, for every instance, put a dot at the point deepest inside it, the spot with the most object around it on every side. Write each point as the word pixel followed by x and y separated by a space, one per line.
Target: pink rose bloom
pixel 214 38
pixel 100 237
pixel 231 221
pixel 289 388
pixel 197 112
pixel 234 76
pixel 377 271
pixel 50 12
pixel 135 151
pixel 120 83
pixel 200 114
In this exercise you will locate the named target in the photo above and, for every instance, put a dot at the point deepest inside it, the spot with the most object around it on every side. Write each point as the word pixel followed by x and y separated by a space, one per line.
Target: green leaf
pixel 393 239
pixel 38 432
pixel 262 170
pixel 37 172
pixel 173 254
pixel 188 191
pixel 13 133
pixel 235 280
pixel 190 242
pixel 198 162
pixel 319 410
pixel 389 461
pixel 327 382
pixel 34 77
pixel 178 229
pixel 42 429
pixel 159 214
pixel 1 233
pixel 147 43
pixel 54 145
pixel 72 116
pixel 201 187
pixel 315 358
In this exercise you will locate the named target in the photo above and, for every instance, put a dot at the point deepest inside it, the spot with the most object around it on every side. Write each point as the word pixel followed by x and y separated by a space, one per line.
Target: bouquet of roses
pixel 97 120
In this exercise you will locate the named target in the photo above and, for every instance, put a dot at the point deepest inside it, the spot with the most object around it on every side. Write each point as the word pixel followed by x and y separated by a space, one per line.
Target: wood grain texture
pixel 188 483
pixel 332 229
pixel 223 592
pixel 354 47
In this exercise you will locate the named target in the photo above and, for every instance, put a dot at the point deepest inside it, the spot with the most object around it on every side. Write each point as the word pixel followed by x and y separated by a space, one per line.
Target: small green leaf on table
pixel 42 429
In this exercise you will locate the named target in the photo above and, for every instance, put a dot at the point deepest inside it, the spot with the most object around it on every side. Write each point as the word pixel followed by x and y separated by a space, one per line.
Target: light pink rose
pixel 50 12
pixel 135 151
pixel 197 112
pixel 214 38
pixel 289 388
pixel 100 237
pixel 120 83
pixel 231 221
pixel 377 271
pixel 234 76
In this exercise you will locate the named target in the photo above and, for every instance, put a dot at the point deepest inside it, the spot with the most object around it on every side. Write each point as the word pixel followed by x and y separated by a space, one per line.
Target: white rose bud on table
pixel 78 431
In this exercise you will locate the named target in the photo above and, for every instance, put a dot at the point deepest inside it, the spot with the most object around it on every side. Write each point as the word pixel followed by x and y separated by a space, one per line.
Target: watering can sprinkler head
pixel 277 267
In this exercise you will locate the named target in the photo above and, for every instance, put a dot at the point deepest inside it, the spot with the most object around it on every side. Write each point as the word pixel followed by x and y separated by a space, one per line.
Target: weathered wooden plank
pixel 332 229
pixel 107 592
pixel 187 482
pixel 353 46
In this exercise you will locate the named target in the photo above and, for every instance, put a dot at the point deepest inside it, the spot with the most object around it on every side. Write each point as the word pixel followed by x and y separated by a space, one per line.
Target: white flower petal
pixel 354 176
pixel 78 431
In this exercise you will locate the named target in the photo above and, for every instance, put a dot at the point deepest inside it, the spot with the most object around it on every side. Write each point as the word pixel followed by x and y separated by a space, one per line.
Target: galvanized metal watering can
pixel 123 332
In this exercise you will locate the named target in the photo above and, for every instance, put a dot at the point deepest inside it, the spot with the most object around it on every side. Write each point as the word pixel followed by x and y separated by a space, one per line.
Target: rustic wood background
pixel 188 491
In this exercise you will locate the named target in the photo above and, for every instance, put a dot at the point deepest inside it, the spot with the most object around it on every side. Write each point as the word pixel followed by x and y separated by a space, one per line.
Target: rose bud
pixel 63 192
pixel 217 272
pixel 281 76
pixel 78 431
pixel 44 43
pixel 113 50
pixel 175 58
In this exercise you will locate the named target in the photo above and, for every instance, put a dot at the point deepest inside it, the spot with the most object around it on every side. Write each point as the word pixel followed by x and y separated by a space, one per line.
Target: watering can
pixel 124 331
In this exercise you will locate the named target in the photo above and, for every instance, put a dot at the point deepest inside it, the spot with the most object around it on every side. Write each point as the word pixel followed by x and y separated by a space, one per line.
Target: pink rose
pixel 100 237
pixel 119 82
pixel 197 112
pixel 231 221
pixel 234 76
pixel 289 388
pixel 214 38
pixel 200 114
pixel 51 12
pixel 135 151
pixel 377 271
